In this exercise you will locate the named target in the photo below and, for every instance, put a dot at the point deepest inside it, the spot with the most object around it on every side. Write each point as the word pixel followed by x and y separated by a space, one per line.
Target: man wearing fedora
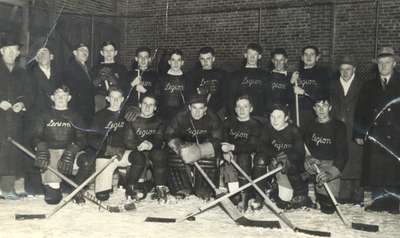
pixel 345 90
pixel 379 131
pixel 14 100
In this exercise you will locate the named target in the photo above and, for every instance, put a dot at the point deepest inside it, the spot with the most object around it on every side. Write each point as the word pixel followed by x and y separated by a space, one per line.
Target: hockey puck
pixel 191 218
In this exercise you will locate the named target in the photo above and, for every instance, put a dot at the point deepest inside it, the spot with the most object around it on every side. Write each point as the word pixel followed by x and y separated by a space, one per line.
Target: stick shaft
pixel 296 96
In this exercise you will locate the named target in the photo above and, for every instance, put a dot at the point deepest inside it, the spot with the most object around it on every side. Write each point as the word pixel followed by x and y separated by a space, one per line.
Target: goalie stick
pixel 87 195
pixel 355 226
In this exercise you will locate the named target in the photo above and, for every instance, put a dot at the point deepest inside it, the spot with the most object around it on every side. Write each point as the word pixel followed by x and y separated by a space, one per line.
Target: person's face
pixel 309 57
pixel 148 107
pixel 143 59
pixel 243 109
pixel 108 52
pixel 60 98
pixel 81 54
pixel 279 62
pixel 386 65
pixel 278 119
pixel 322 109
pixel 115 99
pixel 252 56
pixel 176 62
pixel 347 71
pixel 44 57
pixel 10 53
pixel 197 110
pixel 206 61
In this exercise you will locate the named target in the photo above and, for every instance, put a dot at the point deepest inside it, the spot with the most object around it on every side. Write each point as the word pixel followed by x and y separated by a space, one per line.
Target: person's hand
pixel 18 107
pixel 5 105
pixel 136 81
pixel 309 163
pixel 227 147
pixel 299 91
pixel 145 145
pixel 295 77
pixel 140 88
pixel 359 141
pixel 323 177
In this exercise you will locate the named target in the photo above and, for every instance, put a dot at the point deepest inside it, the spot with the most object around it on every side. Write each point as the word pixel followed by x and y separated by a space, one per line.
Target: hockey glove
pixel 132 113
pixel 327 174
pixel 194 152
pixel 66 163
pixel 175 145
pixel 42 155
pixel 309 165
pixel 283 160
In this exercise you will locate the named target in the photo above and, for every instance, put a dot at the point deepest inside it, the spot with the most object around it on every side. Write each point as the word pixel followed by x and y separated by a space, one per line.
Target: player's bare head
pixel 253 54
pixel 322 107
pixel 115 97
pixel 197 106
pixel 206 57
pixel 61 96
pixel 142 56
pixel 279 58
pixel 310 55
pixel 279 116
pixel 148 105
pixel 108 51
pixel 44 56
pixel 243 107
pixel 175 60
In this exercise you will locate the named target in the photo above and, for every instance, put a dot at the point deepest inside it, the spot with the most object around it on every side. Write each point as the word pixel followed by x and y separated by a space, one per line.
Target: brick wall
pixel 347 27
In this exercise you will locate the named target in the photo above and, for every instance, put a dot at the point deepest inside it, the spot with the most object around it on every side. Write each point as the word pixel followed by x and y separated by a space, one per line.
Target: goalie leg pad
pixel 179 178
pixel 104 180
pixel 159 160
pixel 47 175
pixel 201 187
pixel 86 167
pixel 259 169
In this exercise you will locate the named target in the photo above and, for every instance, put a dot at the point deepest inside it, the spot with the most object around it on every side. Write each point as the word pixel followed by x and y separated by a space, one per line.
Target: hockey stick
pixel 86 194
pixel 279 213
pixel 355 226
pixel 212 203
pixel 68 198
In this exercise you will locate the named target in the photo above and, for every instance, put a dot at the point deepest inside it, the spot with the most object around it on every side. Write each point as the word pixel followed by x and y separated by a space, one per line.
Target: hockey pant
pixel 139 161
pixel 104 180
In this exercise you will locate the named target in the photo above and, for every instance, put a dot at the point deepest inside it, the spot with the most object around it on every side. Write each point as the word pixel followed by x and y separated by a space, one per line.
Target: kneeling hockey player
pixel 144 137
pixel 327 148
pixel 58 139
pixel 193 135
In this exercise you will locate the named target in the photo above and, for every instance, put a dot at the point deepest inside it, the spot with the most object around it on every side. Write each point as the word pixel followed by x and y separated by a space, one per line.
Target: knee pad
pixel 52 195
pixel 104 195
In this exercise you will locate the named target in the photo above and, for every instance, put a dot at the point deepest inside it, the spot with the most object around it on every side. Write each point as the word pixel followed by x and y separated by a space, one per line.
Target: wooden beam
pixel 15 2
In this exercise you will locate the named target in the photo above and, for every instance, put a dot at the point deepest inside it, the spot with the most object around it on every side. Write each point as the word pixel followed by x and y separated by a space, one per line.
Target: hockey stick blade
pixel 313 232
pixel 364 227
pixel 166 220
pixel 21 217
pixel 243 221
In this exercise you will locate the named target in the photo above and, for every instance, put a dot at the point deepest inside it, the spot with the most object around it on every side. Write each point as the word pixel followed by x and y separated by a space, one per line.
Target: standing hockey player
pixel 106 139
pixel 58 137
pixel 193 135
pixel 241 142
pixel 310 82
pixel 144 137
pixel 280 86
pixel 283 144
pixel 174 87
pixel 252 81
pixel 108 73
pixel 210 81
pixel 325 139
pixel 380 169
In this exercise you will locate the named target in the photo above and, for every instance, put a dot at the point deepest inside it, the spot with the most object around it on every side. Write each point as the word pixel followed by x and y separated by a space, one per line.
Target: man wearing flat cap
pixel 377 123
pixel 15 92
pixel 345 90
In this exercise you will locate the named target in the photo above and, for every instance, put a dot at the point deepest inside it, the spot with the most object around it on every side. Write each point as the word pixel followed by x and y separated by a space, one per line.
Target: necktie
pixel 384 83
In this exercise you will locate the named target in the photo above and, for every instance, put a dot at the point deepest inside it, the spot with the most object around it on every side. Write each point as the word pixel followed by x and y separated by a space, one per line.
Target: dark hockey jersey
pixel 150 129
pixel 59 129
pixel 245 135
pixel 281 91
pixel 173 95
pixel 206 129
pixel 211 83
pixel 114 74
pixel 253 82
pixel 315 82
pixel 288 140
pixel 106 130
pixel 327 141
